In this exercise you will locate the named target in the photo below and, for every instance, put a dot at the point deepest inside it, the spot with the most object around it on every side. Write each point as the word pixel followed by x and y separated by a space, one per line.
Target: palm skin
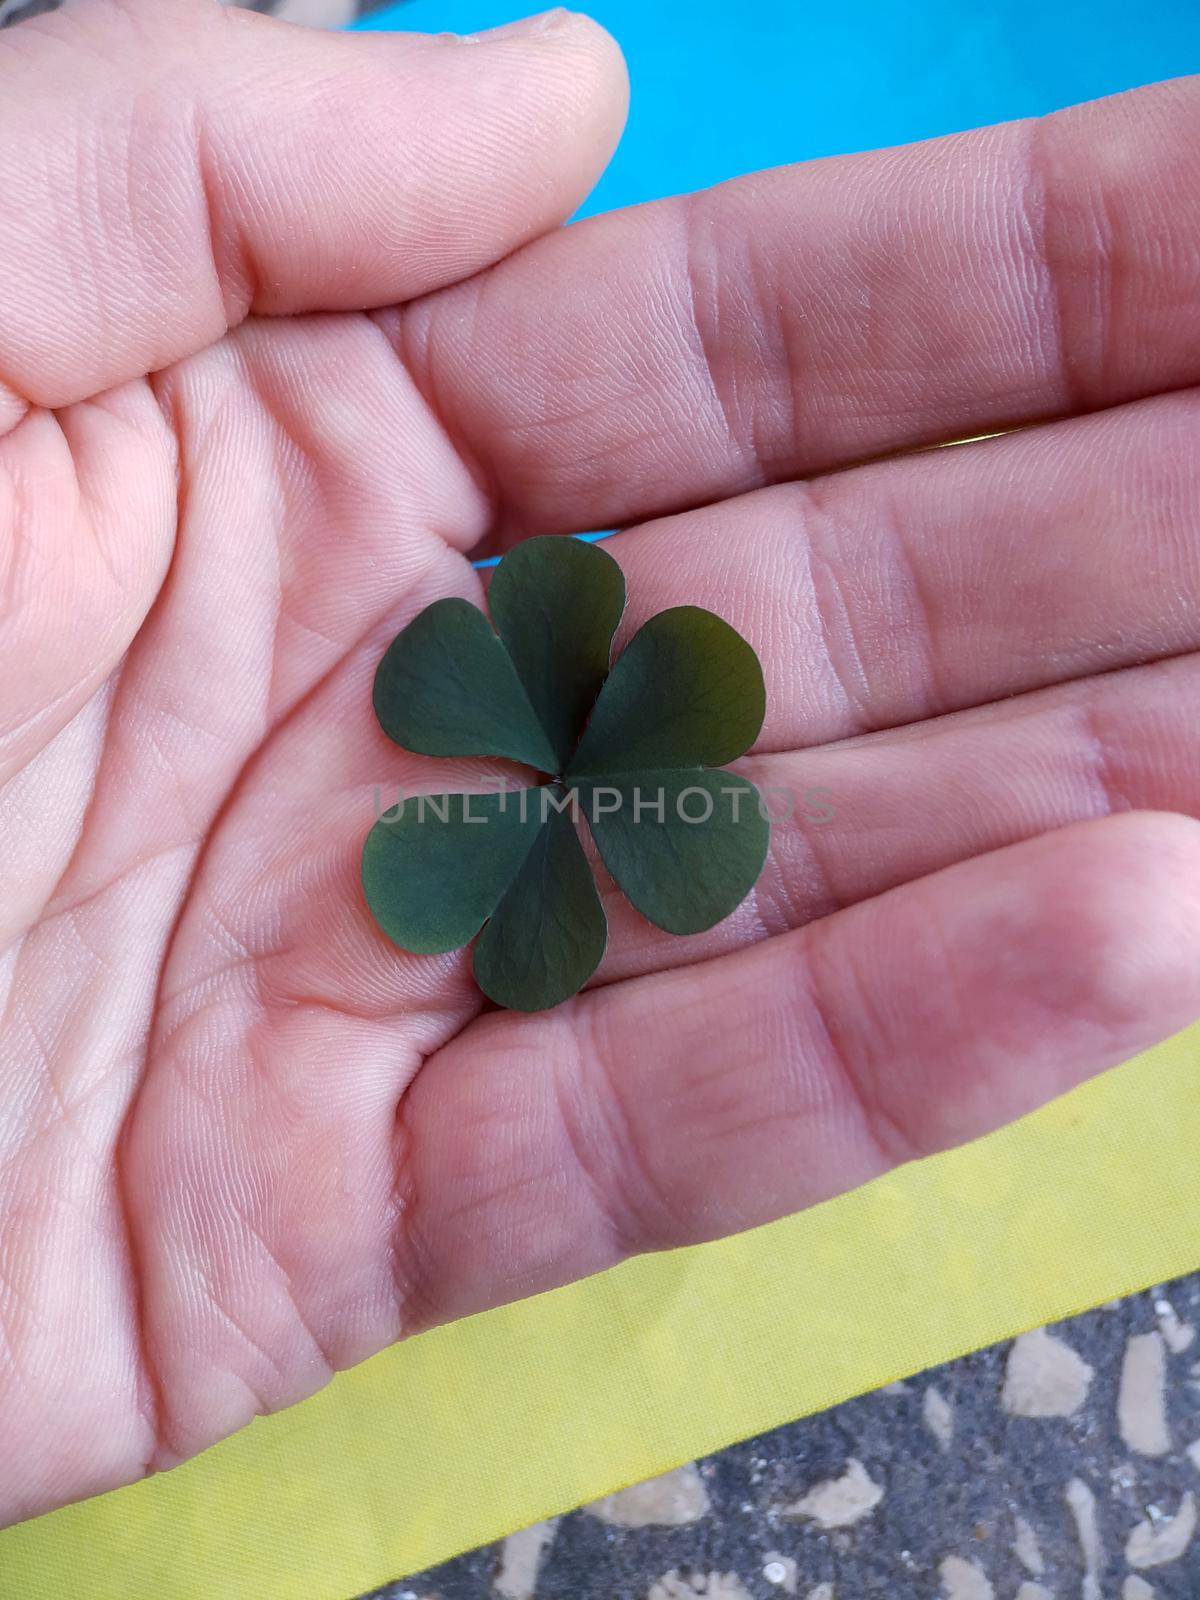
pixel 244 1141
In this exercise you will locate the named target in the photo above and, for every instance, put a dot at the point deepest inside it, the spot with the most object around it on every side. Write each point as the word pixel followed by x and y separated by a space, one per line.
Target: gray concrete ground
pixel 1062 1466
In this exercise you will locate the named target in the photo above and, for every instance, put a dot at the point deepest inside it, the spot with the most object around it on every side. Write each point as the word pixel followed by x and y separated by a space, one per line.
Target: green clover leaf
pixel 635 750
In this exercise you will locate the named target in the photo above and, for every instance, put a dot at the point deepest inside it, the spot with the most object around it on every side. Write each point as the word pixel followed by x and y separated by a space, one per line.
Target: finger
pixel 257 1020
pixel 968 784
pixel 796 320
pixel 856 819
pixel 691 1104
pixel 204 162
pixel 909 588
pixel 850 820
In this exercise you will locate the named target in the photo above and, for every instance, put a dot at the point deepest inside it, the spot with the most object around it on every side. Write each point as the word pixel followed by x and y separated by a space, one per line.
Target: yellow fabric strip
pixel 467 1433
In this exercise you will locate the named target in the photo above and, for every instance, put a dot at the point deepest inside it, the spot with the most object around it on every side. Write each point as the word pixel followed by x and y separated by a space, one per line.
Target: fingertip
pixel 1170 837
pixel 581 67
pixel 977 994
pixel 275 169
pixel 528 118
pixel 611 77
pixel 1120 909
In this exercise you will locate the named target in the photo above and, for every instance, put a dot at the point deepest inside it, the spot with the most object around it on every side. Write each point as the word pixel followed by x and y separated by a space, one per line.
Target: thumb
pixel 202 162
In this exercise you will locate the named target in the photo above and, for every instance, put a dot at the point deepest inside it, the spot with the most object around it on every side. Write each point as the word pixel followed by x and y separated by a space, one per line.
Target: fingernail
pixel 525 28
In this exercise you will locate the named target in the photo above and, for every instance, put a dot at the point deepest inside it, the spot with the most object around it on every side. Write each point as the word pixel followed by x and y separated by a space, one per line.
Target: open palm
pixel 244 1141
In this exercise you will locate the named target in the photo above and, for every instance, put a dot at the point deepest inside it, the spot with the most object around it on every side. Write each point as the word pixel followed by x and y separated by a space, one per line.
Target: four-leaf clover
pixel 635 750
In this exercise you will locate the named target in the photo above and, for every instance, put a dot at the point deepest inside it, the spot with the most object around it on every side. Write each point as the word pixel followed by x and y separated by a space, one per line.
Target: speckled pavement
pixel 1062 1466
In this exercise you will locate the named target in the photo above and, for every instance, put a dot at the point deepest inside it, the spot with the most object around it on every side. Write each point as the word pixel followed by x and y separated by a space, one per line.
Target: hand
pixel 244 1141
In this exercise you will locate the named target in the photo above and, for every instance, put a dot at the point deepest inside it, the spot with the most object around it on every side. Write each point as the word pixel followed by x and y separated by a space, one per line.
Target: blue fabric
pixel 722 87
